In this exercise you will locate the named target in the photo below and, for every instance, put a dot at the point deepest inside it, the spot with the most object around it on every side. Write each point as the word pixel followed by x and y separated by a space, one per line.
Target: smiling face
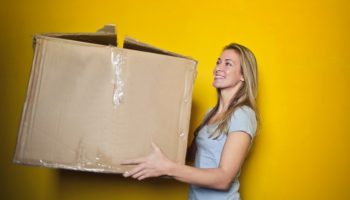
pixel 227 73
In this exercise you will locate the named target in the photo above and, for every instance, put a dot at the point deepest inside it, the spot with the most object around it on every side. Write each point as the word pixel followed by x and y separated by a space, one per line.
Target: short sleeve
pixel 243 119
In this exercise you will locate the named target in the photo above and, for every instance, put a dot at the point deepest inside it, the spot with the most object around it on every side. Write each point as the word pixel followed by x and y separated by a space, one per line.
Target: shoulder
pixel 243 119
pixel 244 111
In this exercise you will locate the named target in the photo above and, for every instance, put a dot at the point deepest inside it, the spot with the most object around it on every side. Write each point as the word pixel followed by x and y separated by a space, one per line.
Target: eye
pixel 228 64
pixel 218 62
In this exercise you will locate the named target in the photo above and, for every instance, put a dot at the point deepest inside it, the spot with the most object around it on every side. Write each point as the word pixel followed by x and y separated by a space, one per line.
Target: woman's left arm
pixel 232 157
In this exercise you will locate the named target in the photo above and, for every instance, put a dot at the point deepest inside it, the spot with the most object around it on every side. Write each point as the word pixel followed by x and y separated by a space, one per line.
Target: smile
pixel 218 77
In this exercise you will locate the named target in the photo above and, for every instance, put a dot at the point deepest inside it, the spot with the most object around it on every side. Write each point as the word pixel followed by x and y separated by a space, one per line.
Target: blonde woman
pixel 224 137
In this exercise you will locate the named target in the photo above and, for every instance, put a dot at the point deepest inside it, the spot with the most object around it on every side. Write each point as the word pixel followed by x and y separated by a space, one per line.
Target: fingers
pixel 138 173
pixel 145 166
pixel 134 171
pixel 144 176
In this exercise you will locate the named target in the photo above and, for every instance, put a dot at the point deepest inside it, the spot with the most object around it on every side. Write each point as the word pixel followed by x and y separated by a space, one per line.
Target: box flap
pixel 131 43
pixel 104 36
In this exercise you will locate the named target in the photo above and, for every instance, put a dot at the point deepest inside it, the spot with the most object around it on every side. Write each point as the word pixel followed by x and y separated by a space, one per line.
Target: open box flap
pixel 131 43
pixel 104 36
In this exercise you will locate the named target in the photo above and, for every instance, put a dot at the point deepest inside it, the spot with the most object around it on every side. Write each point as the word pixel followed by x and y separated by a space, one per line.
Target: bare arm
pixel 232 157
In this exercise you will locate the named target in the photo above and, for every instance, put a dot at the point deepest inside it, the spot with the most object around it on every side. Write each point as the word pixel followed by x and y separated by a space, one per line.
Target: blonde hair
pixel 246 95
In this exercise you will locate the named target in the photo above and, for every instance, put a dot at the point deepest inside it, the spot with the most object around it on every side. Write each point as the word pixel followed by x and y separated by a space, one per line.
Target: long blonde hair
pixel 246 95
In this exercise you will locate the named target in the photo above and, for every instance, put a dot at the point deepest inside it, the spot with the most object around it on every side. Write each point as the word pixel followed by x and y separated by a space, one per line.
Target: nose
pixel 218 67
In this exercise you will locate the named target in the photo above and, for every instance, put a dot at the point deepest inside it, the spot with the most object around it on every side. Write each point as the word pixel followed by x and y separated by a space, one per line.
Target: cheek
pixel 234 76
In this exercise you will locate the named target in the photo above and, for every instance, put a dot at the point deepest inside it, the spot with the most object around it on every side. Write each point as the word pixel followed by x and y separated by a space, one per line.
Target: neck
pixel 226 96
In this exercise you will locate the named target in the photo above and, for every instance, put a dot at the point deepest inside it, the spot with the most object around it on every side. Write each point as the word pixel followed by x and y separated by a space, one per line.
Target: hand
pixel 154 165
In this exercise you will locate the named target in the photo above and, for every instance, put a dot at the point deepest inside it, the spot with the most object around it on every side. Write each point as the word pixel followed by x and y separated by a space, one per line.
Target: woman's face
pixel 227 73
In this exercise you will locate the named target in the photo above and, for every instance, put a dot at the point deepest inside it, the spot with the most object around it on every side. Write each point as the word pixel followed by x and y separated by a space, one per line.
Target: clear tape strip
pixel 82 167
pixel 117 63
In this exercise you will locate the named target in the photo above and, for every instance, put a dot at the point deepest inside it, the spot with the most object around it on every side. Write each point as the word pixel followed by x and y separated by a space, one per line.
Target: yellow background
pixel 302 47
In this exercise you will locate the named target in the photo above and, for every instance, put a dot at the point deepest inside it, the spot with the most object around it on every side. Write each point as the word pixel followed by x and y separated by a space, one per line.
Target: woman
pixel 224 137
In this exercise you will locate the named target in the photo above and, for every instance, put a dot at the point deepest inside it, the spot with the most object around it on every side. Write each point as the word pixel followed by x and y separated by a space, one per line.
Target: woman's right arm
pixel 157 164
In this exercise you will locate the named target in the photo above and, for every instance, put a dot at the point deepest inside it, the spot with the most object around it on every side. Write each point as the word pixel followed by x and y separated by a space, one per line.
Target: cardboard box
pixel 90 105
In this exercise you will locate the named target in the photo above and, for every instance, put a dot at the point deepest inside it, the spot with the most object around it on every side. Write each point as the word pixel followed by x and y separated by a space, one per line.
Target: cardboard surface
pixel 71 121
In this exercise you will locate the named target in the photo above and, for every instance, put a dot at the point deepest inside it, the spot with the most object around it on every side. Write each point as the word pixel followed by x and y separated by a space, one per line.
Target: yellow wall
pixel 302 149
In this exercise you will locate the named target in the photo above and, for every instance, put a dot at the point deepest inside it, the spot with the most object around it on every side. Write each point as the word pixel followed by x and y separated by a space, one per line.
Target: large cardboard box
pixel 90 105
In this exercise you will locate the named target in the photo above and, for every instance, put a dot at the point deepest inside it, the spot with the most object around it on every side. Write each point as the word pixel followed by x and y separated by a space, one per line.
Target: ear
pixel 242 78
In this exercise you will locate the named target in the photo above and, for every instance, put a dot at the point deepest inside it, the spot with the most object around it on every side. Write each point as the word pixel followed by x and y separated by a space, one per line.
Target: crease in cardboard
pixel 37 86
pixel 97 163
pixel 185 105
pixel 186 101
pixel 117 62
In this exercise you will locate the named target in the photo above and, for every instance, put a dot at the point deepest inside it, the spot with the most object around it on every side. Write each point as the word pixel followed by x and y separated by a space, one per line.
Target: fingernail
pixel 126 174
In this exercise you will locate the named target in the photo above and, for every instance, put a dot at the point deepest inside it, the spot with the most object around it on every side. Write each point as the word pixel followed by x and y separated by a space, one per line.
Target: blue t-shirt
pixel 209 153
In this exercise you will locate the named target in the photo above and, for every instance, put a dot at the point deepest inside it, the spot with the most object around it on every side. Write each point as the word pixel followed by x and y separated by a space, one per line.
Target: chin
pixel 217 86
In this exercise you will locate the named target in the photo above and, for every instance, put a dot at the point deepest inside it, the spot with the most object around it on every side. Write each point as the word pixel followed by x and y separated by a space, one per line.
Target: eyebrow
pixel 233 62
pixel 227 59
